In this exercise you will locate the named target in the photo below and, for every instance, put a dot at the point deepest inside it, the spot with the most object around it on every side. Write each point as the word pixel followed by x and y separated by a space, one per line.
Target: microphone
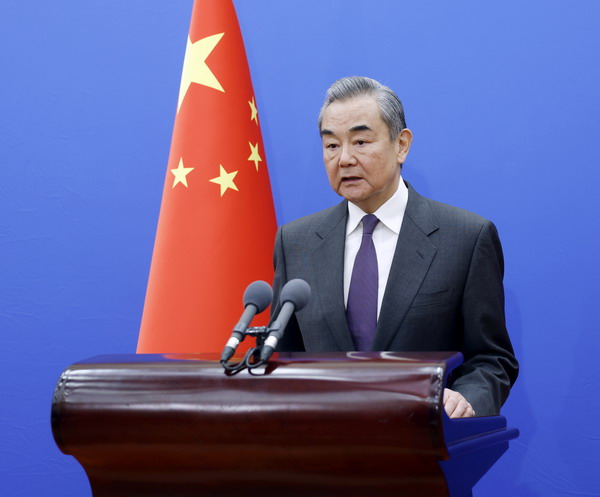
pixel 257 297
pixel 294 296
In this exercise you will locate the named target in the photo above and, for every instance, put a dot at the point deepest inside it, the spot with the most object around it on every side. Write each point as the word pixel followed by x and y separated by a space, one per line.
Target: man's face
pixel 362 163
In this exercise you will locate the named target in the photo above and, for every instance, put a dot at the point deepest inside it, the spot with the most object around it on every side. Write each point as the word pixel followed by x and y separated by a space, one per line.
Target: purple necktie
pixel 361 311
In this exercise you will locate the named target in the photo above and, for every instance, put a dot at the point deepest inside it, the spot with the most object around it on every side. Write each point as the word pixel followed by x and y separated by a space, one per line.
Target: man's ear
pixel 404 141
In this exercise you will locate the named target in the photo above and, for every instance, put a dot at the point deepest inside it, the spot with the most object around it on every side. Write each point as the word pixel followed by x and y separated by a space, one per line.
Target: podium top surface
pixel 158 415
pixel 448 359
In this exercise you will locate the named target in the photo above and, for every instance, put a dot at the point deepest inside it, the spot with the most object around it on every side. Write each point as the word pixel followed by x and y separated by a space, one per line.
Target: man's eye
pixel 331 146
pixel 360 142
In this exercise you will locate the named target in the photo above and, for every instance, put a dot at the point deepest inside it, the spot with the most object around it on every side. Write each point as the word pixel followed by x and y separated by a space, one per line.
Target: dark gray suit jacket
pixel 444 293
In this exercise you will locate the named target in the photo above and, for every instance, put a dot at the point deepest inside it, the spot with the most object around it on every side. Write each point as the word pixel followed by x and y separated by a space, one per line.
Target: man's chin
pixel 361 201
pixel 352 197
pixel 353 191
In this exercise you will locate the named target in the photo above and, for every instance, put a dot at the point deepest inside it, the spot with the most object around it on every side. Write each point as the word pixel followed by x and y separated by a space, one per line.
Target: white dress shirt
pixel 385 238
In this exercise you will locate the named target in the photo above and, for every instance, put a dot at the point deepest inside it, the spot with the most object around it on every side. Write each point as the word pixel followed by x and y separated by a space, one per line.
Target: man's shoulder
pixel 422 208
pixel 444 210
pixel 321 220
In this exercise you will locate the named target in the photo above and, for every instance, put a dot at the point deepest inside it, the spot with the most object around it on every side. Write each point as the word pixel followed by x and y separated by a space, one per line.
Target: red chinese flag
pixel 217 223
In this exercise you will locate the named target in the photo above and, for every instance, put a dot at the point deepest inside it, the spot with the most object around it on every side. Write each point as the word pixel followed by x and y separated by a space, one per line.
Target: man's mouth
pixel 350 179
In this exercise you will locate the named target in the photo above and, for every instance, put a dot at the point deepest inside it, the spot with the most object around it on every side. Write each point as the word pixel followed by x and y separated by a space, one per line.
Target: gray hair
pixel 390 105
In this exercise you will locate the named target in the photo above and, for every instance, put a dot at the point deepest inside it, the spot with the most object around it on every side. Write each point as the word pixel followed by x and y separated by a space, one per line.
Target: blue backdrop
pixel 503 101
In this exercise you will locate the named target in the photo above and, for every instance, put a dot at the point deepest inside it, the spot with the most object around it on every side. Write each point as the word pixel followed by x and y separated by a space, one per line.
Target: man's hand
pixel 456 406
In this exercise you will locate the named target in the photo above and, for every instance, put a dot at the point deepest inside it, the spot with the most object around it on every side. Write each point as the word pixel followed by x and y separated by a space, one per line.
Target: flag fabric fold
pixel 217 222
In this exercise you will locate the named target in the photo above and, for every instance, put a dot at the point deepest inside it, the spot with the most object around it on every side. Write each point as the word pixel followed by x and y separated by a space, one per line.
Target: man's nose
pixel 347 157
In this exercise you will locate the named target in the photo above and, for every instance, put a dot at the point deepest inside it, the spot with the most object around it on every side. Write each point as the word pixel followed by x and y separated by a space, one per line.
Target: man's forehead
pixel 353 115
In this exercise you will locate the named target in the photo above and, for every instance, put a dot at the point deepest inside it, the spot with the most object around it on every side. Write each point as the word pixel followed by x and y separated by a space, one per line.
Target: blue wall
pixel 504 102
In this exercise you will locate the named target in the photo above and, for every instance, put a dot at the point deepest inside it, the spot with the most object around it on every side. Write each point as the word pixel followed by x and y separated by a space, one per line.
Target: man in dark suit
pixel 390 269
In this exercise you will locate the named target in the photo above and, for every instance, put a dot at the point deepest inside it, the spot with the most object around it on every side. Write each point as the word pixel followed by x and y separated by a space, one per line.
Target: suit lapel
pixel 413 257
pixel 328 263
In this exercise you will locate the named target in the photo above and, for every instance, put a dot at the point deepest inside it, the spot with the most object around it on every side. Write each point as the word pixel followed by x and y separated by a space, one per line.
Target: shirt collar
pixel 390 213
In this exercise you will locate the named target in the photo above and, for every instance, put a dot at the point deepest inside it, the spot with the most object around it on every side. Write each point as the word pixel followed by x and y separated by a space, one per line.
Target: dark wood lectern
pixel 350 424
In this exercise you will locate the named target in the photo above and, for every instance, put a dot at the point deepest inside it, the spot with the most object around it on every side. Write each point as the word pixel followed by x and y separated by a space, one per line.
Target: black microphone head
pixel 259 294
pixel 297 292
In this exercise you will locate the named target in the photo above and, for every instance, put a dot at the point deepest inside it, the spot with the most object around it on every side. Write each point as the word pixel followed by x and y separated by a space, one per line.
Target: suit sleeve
pixel 291 341
pixel 490 367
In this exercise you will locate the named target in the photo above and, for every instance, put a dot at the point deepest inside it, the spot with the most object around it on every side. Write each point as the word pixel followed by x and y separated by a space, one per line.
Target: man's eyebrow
pixel 360 127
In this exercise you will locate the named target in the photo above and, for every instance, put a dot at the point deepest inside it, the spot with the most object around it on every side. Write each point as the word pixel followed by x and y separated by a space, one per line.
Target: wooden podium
pixel 350 424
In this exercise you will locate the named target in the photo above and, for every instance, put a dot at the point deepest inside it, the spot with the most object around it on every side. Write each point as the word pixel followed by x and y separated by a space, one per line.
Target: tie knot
pixel 369 222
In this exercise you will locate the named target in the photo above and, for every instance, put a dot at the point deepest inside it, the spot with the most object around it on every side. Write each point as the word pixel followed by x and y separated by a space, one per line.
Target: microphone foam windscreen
pixel 258 293
pixel 296 291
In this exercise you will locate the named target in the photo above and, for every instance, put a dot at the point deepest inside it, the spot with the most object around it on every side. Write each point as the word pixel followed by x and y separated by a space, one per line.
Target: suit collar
pixel 328 264
pixel 330 222
pixel 419 211
pixel 413 257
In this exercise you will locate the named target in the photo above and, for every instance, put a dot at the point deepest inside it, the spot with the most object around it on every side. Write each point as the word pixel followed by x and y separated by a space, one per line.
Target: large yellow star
pixel 254 155
pixel 180 174
pixel 195 69
pixel 225 180
pixel 254 115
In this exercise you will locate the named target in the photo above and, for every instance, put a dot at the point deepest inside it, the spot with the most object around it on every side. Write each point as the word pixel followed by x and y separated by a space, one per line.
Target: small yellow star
pixel 180 174
pixel 195 69
pixel 254 116
pixel 225 180
pixel 254 155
